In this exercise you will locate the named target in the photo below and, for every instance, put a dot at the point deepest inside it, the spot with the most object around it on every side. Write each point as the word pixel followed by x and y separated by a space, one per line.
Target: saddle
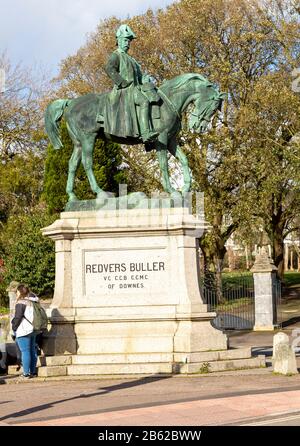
pixel 154 99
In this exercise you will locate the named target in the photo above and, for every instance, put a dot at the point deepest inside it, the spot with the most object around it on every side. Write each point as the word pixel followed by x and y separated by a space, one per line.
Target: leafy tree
pixel 21 179
pixel 28 256
pixel 22 141
pixel 143 173
pixel 273 158
pixel 240 45
pixel 20 111
pixel 108 168
pixel 22 146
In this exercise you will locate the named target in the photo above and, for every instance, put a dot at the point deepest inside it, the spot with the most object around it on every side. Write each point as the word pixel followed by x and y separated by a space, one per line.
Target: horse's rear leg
pixel 73 166
pixel 87 161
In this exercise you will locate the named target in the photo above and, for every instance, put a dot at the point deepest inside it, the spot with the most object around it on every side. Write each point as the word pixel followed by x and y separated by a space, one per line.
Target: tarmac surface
pixel 245 397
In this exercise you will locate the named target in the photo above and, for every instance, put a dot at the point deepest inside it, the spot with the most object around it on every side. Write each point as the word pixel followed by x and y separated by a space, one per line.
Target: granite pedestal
pixel 127 296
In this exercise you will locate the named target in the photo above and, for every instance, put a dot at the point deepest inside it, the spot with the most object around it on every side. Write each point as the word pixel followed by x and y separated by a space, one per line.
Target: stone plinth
pixel 127 290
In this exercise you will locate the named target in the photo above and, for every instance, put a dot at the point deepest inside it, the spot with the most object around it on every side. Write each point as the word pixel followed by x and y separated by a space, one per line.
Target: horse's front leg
pixel 163 164
pixel 73 166
pixel 176 150
pixel 180 155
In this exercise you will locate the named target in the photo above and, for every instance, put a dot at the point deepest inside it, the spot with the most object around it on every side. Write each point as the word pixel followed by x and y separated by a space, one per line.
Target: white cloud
pixel 45 32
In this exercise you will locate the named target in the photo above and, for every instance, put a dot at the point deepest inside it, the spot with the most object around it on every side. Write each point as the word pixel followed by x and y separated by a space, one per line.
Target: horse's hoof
pixel 72 198
pixel 170 190
pixel 176 195
pixel 104 195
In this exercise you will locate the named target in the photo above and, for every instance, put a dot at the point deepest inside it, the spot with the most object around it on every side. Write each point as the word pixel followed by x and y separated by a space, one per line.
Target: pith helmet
pixel 125 31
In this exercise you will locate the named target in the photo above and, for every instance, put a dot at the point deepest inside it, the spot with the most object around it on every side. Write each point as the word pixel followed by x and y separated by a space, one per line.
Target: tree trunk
pixel 218 262
pixel 286 258
pixel 278 251
pixel 214 253
pixel 206 248
pixel 292 260
pixel 275 231
pixel 214 250
pixel 207 259
pixel 247 258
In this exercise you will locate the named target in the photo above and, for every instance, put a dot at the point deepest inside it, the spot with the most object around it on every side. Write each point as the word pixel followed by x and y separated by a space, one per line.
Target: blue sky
pixel 41 33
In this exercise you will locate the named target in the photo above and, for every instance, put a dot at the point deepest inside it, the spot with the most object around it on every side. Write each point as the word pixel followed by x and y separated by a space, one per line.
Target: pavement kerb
pixel 242 372
pixel 246 421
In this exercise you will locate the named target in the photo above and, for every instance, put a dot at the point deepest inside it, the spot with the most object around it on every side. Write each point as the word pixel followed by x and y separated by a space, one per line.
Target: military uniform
pixel 130 89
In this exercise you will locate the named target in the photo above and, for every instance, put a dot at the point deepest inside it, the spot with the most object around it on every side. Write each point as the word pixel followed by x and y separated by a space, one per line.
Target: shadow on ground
pixel 103 391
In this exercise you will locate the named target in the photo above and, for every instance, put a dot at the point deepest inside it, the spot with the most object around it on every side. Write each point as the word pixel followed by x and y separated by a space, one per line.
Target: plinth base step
pixel 163 363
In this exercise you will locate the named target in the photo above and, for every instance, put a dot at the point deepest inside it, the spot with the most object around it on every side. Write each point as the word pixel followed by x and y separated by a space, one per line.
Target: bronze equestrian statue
pixel 134 112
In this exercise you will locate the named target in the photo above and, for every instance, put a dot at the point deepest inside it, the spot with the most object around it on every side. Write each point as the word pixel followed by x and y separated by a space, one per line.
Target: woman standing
pixel 23 329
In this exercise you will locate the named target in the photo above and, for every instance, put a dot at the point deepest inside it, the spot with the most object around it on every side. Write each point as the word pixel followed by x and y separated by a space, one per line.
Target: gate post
pixel 264 274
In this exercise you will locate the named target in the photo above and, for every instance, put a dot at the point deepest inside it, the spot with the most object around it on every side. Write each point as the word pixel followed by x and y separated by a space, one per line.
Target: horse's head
pixel 205 105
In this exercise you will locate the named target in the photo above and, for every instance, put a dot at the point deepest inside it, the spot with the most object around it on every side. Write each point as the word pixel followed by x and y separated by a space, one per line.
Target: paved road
pixel 228 398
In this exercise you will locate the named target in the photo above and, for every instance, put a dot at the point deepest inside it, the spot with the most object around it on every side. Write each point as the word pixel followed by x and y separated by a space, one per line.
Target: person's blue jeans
pixel 27 345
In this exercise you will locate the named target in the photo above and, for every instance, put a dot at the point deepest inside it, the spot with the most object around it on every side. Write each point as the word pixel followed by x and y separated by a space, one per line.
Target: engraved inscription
pixel 119 272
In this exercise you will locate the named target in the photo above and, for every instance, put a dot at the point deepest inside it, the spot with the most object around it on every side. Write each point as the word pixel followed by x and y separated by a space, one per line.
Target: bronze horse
pixel 176 95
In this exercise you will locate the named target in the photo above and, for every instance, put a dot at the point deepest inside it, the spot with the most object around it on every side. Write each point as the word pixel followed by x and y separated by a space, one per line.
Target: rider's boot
pixel 146 134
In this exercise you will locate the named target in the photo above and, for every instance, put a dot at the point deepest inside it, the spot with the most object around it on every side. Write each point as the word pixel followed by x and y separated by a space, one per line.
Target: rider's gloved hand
pixel 125 84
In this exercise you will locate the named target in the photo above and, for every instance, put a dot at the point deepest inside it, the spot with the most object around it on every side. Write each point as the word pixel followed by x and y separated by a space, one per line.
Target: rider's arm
pixel 112 69
pixel 139 73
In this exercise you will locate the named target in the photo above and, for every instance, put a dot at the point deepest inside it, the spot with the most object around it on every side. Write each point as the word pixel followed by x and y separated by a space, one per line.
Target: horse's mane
pixel 182 79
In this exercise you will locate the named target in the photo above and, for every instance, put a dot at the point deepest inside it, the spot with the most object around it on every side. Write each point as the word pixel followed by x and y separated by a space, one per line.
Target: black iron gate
pixel 233 300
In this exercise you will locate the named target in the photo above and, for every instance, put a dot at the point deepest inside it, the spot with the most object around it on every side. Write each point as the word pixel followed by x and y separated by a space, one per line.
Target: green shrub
pixel 28 256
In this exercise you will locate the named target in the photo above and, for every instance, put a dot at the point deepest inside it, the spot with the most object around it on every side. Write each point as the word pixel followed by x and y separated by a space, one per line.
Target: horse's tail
pixel 53 115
